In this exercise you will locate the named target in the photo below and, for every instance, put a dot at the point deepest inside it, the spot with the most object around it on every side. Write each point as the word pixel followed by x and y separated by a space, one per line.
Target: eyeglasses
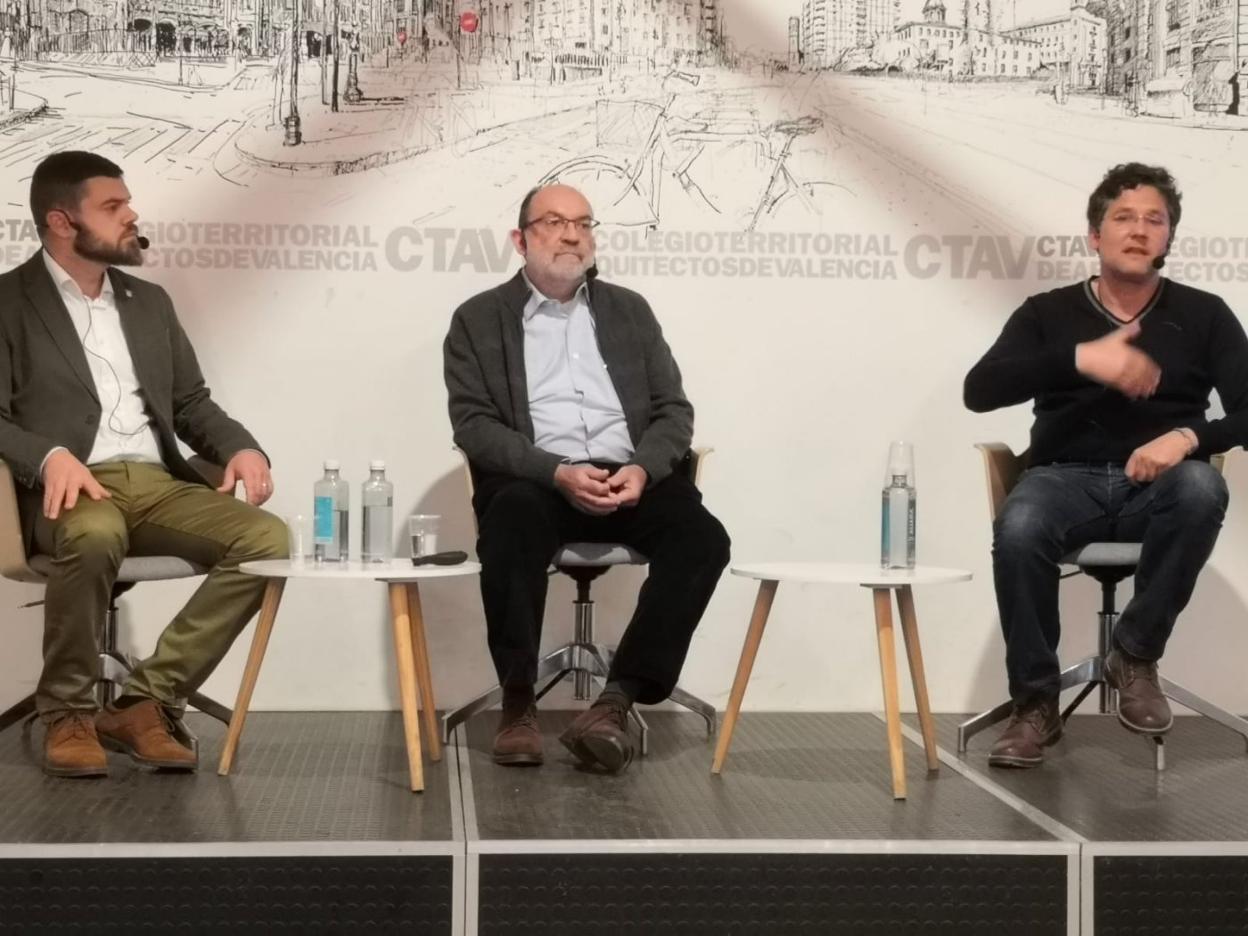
pixel 556 224
pixel 1130 218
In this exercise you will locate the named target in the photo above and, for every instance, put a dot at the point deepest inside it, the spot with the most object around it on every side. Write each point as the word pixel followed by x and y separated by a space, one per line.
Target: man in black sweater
pixel 1120 368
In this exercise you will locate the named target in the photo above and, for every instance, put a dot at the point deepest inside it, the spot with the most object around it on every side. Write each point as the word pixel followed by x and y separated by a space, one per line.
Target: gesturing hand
pixel 1115 362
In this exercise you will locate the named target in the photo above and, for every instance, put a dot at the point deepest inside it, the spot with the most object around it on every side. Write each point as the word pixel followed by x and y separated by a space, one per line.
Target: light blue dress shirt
pixel 575 410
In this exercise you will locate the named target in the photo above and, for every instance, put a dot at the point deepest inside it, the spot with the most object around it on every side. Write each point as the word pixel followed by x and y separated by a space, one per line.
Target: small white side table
pixel 410 650
pixel 881 582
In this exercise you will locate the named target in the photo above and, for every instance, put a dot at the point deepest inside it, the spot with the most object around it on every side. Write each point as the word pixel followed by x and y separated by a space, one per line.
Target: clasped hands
pixel 598 492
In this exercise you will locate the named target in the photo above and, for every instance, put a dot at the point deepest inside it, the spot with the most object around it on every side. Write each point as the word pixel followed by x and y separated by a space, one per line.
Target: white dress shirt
pixel 575 410
pixel 125 430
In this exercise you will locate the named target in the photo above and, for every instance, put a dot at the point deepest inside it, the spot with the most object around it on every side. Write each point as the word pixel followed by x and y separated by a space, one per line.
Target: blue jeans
pixel 1058 508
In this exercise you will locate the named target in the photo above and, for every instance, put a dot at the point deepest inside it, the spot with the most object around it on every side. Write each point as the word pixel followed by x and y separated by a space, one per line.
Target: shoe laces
pixel 75 724
pixel 1035 715
pixel 525 719
pixel 614 710
pixel 1135 668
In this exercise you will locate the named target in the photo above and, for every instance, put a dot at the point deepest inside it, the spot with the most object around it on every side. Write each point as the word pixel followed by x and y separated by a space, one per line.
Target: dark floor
pixel 342 777
pixel 297 777
pixel 787 776
pixel 1100 780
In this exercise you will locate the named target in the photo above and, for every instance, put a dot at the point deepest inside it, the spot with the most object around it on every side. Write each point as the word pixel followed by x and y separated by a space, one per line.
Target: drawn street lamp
pixel 333 97
pixel 353 94
pixel 294 135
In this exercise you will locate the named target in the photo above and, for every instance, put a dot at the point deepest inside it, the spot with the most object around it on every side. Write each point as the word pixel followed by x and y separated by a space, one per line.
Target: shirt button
pixel 89 420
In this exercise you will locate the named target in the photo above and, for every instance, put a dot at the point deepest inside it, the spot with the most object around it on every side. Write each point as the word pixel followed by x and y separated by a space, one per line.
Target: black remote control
pixel 453 557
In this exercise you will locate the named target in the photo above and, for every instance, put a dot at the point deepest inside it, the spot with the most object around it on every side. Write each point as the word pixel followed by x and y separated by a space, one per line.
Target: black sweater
pixel 1191 334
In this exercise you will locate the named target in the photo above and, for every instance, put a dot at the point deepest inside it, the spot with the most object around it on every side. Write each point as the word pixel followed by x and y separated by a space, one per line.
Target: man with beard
pixel 1120 369
pixel 97 383
pixel 567 402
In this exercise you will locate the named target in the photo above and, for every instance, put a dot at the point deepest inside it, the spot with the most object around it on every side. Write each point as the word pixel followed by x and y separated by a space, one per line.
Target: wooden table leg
pixel 424 674
pixel 251 672
pixel 407 682
pixel 910 631
pixel 888 676
pixel 753 637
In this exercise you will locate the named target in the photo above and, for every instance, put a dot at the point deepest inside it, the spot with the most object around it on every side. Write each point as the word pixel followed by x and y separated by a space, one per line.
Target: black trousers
pixel 523 524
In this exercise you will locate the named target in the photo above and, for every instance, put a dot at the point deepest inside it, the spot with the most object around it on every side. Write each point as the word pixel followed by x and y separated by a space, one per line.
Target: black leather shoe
pixel 1141 705
pixel 599 736
pixel 518 742
pixel 1033 727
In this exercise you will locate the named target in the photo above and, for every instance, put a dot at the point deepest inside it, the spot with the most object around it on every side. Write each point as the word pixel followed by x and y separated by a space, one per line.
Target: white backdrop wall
pixel 954 200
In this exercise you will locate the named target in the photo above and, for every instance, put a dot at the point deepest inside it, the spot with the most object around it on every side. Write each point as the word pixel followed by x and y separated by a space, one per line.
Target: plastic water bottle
pixel 378 502
pixel 331 509
pixel 897 509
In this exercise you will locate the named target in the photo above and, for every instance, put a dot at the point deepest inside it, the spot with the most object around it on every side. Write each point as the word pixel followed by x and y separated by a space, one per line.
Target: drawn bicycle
pixel 629 193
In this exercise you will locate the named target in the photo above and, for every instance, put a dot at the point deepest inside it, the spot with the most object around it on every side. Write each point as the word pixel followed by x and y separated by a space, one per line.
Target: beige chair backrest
pixel 1003 469
pixel 697 459
pixel 13 564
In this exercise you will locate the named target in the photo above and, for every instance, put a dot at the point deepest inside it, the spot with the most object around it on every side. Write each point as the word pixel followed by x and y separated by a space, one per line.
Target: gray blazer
pixel 483 358
pixel 47 396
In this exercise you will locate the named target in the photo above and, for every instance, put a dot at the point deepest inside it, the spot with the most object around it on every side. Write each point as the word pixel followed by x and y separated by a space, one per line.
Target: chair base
pixel 1089 674
pixel 588 661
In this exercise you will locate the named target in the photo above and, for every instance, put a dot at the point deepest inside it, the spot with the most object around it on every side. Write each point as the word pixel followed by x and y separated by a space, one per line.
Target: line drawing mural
pixel 666 112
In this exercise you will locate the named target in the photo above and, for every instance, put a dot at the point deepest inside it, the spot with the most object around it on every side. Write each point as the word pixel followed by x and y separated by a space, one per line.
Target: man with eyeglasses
pixel 1120 369
pixel 567 402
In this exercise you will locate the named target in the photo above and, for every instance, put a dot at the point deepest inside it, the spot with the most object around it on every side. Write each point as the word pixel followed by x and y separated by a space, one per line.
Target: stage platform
pixel 316 832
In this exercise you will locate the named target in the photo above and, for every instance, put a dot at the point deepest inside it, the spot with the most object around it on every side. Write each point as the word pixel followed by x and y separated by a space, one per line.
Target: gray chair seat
pixel 584 555
pixel 1104 555
pixel 138 568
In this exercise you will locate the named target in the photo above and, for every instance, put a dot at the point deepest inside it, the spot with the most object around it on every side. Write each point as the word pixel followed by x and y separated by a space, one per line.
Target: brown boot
pixel 1141 705
pixel 599 736
pixel 144 731
pixel 518 742
pixel 1033 727
pixel 71 747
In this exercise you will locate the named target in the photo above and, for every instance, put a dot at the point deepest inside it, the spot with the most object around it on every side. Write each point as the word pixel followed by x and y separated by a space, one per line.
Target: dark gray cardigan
pixel 483 358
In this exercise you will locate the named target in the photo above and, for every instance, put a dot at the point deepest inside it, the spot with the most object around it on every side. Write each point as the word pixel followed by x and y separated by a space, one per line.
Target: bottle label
pixel 323 519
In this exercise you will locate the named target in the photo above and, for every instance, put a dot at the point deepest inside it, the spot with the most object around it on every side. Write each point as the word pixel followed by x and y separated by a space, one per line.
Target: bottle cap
pixel 900 462
pixel 377 464
pixel 331 464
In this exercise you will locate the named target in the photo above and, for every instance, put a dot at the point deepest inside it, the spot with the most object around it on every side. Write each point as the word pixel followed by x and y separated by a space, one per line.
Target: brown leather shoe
pixel 599 736
pixel 1033 727
pixel 518 742
pixel 71 747
pixel 1141 705
pixel 145 732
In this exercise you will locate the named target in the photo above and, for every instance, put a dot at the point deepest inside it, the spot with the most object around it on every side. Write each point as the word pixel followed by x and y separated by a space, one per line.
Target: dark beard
pixel 90 247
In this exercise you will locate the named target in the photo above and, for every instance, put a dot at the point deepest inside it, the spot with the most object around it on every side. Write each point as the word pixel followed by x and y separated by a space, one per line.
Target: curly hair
pixel 1132 175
